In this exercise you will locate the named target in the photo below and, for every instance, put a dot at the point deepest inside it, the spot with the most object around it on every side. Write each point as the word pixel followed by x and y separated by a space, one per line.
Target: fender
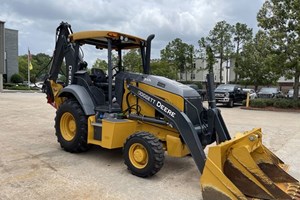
pixel 81 95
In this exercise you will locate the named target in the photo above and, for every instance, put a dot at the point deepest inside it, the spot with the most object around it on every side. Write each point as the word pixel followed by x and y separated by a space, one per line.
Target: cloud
pixel 169 19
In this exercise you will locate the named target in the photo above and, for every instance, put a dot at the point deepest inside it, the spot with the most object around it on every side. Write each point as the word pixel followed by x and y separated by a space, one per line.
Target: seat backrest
pixel 99 75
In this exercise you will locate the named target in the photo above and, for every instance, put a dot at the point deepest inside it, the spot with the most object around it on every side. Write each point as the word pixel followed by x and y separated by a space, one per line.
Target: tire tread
pixel 156 147
pixel 80 144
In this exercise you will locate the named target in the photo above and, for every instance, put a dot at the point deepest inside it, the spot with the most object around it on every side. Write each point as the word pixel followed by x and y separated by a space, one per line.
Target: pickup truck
pixel 230 94
pixel 270 92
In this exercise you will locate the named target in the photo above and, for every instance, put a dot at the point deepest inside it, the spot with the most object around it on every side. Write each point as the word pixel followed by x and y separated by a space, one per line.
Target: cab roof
pixel 100 39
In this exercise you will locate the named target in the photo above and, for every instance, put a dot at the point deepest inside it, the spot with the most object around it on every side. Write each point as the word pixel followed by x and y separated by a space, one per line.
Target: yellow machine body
pixel 114 135
pixel 115 132
pixel 147 110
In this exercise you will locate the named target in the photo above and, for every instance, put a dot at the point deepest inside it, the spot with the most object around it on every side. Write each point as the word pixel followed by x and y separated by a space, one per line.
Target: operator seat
pixel 99 79
pixel 98 75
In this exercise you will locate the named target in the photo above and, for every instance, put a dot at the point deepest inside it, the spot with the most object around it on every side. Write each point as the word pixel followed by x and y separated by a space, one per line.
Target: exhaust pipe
pixel 211 90
pixel 148 53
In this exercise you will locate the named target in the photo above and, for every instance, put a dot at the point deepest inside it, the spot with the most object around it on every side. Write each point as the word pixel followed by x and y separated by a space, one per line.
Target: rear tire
pixel 71 127
pixel 143 154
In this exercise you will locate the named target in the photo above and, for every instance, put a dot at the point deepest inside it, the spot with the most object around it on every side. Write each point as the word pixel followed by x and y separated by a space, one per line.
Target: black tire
pixel 155 154
pixel 74 140
pixel 230 103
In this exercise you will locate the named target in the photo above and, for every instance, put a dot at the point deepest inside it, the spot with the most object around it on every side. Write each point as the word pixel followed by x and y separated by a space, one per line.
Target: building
pixel 11 51
pixel 285 84
pixel 8 53
pixel 199 71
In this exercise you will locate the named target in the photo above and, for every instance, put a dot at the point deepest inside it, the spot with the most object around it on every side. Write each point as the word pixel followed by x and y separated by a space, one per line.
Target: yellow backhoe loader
pixel 149 115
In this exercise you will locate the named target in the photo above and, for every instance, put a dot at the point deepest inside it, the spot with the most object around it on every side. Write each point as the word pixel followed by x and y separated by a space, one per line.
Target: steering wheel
pixel 115 68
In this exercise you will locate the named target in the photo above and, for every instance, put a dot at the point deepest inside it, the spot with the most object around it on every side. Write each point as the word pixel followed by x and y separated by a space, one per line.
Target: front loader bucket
pixel 243 168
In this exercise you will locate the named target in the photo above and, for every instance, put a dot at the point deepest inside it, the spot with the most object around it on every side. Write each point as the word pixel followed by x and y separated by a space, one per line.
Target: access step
pixel 97 130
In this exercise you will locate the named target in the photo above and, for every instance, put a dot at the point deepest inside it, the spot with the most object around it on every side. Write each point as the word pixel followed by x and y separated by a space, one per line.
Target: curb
pixel 273 109
pixel 20 91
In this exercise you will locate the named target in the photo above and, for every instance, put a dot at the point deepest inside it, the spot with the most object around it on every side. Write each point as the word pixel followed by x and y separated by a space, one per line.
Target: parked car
pixel 269 92
pixel 251 92
pixel 291 93
pixel 229 94
pixel 200 91
pixel 37 85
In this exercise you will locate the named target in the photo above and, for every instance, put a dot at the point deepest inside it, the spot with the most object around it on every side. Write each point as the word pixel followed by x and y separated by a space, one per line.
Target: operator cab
pixel 104 87
pixel 101 86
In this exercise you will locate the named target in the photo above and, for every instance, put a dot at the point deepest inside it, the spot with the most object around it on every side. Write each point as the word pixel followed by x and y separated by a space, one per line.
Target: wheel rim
pixel 68 126
pixel 138 155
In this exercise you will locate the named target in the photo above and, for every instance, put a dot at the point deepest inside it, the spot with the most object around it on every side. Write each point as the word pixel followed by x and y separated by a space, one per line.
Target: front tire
pixel 71 127
pixel 143 154
pixel 230 103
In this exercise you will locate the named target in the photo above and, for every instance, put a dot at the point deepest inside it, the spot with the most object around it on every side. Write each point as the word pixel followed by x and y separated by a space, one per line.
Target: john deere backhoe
pixel 149 115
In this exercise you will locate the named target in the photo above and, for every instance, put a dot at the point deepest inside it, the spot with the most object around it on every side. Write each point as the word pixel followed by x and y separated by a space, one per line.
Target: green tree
pixel 23 66
pixel 242 34
pixel 280 20
pixel 132 61
pixel 16 78
pixel 190 60
pixel 207 54
pixel 257 62
pixel 101 64
pixel 220 40
pixel 162 68
pixel 179 55
pixel 40 63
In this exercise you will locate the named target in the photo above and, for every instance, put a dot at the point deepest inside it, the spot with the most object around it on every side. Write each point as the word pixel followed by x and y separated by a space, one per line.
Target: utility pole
pixel 2 56
pixel 28 68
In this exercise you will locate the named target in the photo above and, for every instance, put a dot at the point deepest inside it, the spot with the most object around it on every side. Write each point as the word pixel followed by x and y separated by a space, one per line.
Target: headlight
pixel 226 94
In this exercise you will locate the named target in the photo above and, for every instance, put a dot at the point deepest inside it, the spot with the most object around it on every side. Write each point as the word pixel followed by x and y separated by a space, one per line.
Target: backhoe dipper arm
pixel 63 49
pixel 178 119
pixel 62 33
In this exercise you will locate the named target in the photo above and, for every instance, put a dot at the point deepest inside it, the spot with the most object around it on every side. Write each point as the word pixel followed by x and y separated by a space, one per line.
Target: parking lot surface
pixel 33 166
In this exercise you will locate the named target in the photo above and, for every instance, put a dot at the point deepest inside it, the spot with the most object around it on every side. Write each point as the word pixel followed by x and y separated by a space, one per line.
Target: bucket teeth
pixel 293 189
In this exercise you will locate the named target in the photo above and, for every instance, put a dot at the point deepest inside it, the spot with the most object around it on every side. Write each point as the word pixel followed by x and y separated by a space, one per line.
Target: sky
pixel 37 20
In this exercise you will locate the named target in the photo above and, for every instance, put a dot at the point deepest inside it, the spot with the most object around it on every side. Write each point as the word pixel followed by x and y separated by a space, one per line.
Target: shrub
pixel 8 84
pixel 17 87
pixel 277 103
pixel 258 103
pixel 244 102
pixel 282 103
pixel 16 78
pixel 295 103
pixel 269 102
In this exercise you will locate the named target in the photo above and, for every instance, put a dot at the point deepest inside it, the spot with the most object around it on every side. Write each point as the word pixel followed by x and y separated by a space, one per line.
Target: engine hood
pixel 162 83
pixel 265 93
pixel 170 85
pixel 222 90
